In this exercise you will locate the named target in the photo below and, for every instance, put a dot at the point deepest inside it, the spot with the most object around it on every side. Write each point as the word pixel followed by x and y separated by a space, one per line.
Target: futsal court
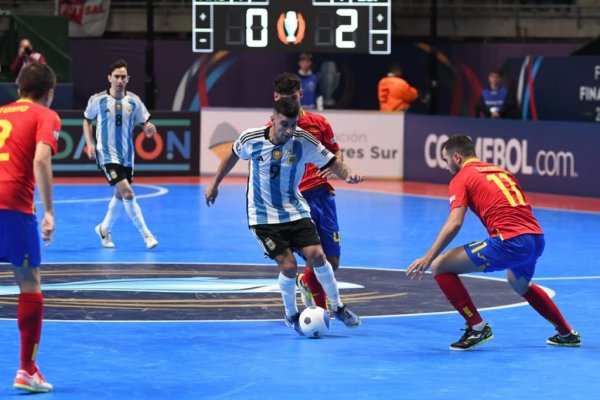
pixel 199 317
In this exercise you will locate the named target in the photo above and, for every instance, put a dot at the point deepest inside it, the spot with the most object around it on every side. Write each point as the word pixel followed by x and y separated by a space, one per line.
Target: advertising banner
pixel 558 88
pixel 371 141
pixel 546 157
pixel 87 18
pixel 173 151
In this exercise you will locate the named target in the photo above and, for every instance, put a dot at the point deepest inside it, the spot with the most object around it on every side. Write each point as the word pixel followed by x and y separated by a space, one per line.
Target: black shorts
pixel 115 173
pixel 295 235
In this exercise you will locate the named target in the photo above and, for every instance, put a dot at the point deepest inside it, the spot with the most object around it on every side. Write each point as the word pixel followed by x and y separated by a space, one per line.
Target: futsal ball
pixel 314 322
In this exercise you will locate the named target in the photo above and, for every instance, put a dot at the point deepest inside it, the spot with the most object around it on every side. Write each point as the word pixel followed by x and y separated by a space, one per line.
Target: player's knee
pixel 128 195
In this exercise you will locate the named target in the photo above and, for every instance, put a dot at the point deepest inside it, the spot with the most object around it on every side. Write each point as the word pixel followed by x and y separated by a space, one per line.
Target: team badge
pixel 270 244
pixel 277 154
pixel 118 106
pixel 292 159
pixel 113 174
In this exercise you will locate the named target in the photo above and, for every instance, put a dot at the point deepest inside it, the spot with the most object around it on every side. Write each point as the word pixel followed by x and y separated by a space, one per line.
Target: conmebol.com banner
pixel 546 157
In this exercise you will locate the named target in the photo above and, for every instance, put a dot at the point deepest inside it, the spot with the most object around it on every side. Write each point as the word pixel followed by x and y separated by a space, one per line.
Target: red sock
pixel 457 295
pixel 29 318
pixel 543 304
pixel 319 296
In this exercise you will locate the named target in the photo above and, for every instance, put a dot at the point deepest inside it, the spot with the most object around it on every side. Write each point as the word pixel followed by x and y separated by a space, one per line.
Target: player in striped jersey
pixel 278 215
pixel 316 190
pixel 116 112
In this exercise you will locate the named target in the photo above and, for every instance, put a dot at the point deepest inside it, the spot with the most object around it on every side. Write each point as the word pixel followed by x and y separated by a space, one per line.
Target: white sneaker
pixel 151 241
pixel 105 238
pixel 32 383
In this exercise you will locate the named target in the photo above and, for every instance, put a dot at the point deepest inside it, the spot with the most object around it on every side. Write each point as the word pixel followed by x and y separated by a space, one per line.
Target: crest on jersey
pixel 277 154
pixel 118 106
pixel 292 159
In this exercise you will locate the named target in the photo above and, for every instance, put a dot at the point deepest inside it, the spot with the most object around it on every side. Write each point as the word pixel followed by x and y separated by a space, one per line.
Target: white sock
pixel 326 278
pixel 115 206
pixel 287 286
pixel 135 215
pixel 479 327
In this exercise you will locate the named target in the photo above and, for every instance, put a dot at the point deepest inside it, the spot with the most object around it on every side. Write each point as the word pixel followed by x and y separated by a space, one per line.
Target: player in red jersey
pixel 316 190
pixel 515 243
pixel 28 134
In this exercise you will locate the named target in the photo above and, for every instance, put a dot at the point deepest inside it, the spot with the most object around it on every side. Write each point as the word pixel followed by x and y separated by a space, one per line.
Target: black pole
pixel 150 78
pixel 433 59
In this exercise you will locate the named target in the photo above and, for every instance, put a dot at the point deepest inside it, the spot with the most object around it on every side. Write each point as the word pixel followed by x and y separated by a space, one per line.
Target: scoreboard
pixel 325 26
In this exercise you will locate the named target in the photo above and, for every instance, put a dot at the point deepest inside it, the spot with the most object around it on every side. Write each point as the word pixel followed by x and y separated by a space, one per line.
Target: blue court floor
pixel 392 355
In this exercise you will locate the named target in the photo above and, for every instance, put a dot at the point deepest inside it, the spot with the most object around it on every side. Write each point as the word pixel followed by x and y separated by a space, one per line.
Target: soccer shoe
pixel 105 238
pixel 305 294
pixel 294 323
pixel 151 242
pixel 571 340
pixel 32 383
pixel 473 338
pixel 343 314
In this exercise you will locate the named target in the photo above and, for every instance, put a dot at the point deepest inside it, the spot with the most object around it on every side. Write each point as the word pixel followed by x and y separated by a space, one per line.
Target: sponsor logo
pixel 512 154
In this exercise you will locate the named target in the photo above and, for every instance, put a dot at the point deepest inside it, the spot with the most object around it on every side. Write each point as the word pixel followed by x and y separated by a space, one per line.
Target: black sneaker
pixel 473 338
pixel 349 319
pixel 294 323
pixel 571 340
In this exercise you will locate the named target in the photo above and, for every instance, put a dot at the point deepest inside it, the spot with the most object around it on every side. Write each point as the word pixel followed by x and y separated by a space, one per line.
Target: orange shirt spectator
pixel 394 93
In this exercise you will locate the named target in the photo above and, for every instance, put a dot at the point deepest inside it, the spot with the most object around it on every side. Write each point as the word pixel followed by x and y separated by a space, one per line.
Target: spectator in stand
pixel 25 56
pixel 494 101
pixel 310 82
pixel 394 93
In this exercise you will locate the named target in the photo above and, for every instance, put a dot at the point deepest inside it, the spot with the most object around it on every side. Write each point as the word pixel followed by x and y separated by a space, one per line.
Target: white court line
pixel 567 278
pixel 433 197
pixel 160 191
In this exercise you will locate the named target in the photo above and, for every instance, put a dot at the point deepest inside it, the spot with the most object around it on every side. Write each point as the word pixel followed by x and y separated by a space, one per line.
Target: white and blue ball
pixel 314 322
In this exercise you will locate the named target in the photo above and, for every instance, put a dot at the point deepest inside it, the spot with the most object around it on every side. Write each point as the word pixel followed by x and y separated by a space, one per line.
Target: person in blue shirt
pixel 310 82
pixel 494 101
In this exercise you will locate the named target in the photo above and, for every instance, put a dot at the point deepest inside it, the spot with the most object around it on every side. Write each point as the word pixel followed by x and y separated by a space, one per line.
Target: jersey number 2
pixel 512 186
pixel 5 130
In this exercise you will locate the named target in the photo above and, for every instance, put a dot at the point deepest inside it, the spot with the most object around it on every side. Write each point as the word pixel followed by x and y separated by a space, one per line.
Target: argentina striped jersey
pixel 115 121
pixel 273 196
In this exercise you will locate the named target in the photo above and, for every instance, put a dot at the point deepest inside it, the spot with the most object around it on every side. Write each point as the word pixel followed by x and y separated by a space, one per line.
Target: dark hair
pixel 460 144
pixel 396 67
pixel 305 56
pixel 35 80
pixel 286 83
pixel 117 64
pixel 287 107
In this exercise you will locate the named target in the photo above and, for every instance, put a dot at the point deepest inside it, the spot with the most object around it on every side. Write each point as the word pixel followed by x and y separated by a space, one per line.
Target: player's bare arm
pixel 327 173
pixel 343 172
pixel 226 165
pixel 89 140
pixel 447 234
pixel 42 167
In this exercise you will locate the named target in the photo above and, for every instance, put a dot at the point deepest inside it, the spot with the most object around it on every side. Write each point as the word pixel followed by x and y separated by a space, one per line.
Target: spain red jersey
pixel 23 125
pixel 319 127
pixel 496 197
